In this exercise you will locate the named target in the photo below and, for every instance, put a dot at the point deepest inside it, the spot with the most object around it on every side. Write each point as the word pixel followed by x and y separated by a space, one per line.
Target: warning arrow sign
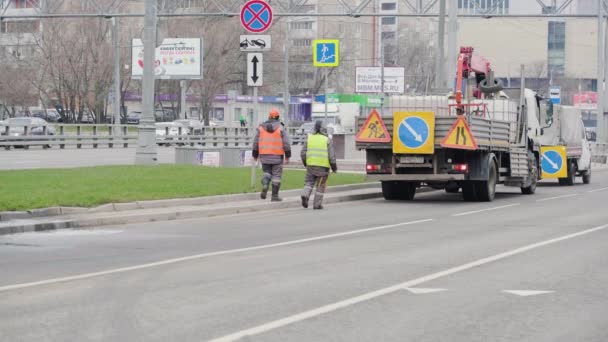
pixel 373 130
pixel 460 136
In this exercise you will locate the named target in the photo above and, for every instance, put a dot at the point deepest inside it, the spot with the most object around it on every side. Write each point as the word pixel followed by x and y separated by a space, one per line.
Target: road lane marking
pixel 554 198
pixel 597 190
pixel 207 255
pixel 302 316
pixel 526 293
pixel 420 290
pixel 488 209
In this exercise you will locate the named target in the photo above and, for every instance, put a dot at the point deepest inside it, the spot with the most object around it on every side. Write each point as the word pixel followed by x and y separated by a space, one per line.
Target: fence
pixel 101 136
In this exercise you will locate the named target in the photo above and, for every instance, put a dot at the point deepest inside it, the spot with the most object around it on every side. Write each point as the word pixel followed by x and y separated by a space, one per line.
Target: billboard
pixel 586 100
pixel 176 58
pixel 369 80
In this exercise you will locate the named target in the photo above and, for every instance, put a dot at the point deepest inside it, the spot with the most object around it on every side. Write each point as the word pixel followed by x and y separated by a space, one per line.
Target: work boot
pixel 318 207
pixel 304 201
pixel 264 192
pixel 275 193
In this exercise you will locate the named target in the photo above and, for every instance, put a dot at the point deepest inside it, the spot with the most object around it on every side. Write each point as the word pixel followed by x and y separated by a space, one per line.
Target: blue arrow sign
pixel 413 132
pixel 552 162
pixel 326 53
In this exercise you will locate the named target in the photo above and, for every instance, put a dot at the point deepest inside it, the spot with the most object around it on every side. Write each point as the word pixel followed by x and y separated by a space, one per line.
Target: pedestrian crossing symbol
pixel 414 132
pixel 553 162
pixel 326 53
pixel 460 136
pixel 373 130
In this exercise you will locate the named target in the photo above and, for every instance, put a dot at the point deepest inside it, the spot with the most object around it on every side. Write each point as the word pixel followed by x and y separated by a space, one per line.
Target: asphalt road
pixel 522 268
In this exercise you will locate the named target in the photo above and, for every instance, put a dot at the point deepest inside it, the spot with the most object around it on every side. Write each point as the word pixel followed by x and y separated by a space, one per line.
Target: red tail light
pixel 372 167
pixel 460 167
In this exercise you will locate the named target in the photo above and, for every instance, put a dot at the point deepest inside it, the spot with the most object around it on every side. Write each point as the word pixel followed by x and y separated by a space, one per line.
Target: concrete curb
pixel 117 207
pixel 135 216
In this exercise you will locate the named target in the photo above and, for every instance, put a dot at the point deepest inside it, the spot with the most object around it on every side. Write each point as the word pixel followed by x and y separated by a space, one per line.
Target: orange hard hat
pixel 274 114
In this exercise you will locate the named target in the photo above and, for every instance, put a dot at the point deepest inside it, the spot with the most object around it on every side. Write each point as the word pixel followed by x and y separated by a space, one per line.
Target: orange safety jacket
pixel 271 143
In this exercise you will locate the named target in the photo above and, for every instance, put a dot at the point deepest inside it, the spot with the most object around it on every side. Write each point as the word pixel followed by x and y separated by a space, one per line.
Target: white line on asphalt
pixel 206 255
pixel 597 190
pixel 488 209
pixel 391 289
pixel 554 198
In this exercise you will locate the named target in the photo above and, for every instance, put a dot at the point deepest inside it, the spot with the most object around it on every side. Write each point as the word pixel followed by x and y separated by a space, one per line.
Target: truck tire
pixel 452 188
pixel 569 181
pixel 531 189
pixel 486 190
pixel 468 191
pixel 389 191
pixel 587 176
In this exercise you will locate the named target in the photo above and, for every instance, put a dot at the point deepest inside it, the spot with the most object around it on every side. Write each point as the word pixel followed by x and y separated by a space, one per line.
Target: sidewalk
pixel 165 210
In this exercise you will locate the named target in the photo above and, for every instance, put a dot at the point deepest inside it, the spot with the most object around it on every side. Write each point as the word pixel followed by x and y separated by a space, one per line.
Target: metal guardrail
pixel 599 153
pixel 98 136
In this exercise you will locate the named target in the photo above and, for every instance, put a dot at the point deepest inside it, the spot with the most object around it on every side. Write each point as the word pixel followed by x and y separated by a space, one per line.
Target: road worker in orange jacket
pixel 272 145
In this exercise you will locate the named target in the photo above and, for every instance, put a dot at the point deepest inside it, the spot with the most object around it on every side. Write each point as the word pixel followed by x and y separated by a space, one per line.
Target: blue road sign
pixel 413 132
pixel 326 53
pixel 552 162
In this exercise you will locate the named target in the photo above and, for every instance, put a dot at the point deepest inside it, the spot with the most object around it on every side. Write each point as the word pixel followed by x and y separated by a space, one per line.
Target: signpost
pixel 414 132
pixel 255 70
pixel 555 93
pixel 369 80
pixel 326 53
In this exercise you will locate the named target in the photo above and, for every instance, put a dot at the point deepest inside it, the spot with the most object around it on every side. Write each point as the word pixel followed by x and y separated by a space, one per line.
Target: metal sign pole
pixel 146 143
pixel 326 98
pixel 255 115
pixel 117 90
pixel 600 134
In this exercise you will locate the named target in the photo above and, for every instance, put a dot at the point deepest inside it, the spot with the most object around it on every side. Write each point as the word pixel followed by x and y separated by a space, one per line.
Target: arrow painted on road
pixel 419 290
pixel 417 136
pixel 526 293
pixel 255 62
pixel 553 164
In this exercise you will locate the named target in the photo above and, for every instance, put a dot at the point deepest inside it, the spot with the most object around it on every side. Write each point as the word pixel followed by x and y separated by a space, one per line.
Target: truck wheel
pixel 468 191
pixel 569 181
pixel 587 176
pixel 531 189
pixel 389 191
pixel 452 188
pixel 486 190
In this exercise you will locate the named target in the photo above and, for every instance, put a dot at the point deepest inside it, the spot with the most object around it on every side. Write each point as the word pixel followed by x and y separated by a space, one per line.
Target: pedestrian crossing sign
pixel 554 162
pixel 326 53
pixel 373 130
pixel 460 136
pixel 414 132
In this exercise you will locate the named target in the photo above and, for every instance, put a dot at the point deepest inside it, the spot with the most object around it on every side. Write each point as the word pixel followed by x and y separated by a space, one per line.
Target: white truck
pixel 564 127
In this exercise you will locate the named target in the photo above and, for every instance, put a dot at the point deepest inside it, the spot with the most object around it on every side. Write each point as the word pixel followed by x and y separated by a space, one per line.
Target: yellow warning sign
pixel 414 132
pixel 554 162
pixel 460 136
pixel 373 130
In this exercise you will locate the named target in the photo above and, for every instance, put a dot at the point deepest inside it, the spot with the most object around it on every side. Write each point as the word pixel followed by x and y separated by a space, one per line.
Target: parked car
pixel 87 118
pixel 50 115
pixel 36 126
pixel 163 115
pixel 190 125
pixel 133 118
pixel 166 132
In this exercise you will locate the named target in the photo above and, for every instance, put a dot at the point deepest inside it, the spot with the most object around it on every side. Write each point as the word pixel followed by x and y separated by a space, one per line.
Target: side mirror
pixel 542 131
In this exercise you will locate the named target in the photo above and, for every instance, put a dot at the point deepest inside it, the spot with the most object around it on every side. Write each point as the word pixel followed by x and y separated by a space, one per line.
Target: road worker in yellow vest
pixel 319 157
pixel 271 144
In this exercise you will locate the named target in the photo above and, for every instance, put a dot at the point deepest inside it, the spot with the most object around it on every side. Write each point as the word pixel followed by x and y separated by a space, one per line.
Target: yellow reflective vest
pixel 316 151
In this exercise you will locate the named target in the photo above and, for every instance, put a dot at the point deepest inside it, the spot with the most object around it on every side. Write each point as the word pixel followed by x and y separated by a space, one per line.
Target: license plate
pixel 413 160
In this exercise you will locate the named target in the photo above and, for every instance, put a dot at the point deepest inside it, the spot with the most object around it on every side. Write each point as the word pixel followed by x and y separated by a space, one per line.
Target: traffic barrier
pixel 109 136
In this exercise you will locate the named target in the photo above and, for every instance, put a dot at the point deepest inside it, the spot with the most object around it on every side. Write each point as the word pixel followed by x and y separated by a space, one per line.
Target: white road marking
pixel 554 198
pixel 488 209
pixel 526 293
pixel 597 190
pixel 419 290
pixel 391 289
pixel 206 255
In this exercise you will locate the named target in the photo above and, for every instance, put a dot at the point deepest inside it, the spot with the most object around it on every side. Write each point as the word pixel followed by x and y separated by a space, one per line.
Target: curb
pixel 113 219
pixel 164 203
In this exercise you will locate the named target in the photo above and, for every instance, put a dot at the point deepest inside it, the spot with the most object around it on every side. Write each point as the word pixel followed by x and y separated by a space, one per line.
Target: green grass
pixel 88 187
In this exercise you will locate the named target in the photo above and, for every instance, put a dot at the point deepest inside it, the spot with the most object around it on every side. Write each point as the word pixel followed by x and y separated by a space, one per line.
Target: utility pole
pixel 452 42
pixel 286 96
pixel 117 90
pixel 600 73
pixel 440 57
pixel 381 42
pixel 146 141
